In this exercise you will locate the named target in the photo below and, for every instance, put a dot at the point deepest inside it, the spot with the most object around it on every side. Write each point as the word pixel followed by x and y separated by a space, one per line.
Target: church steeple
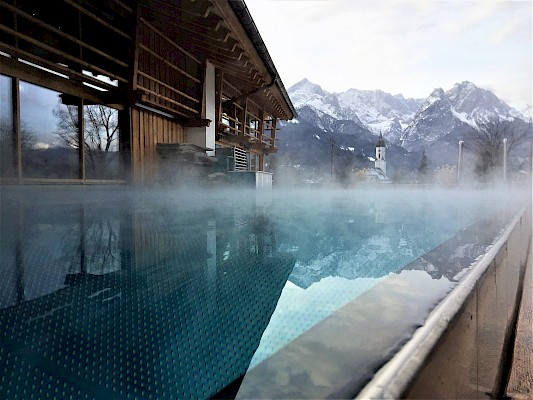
pixel 381 141
pixel 380 162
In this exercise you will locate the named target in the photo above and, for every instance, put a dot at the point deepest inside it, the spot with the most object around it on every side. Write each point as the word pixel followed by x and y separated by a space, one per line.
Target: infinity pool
pixel 121 293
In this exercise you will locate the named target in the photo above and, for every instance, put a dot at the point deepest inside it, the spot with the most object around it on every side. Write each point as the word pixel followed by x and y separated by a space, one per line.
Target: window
pixel 101 135
pixel 49 134
pixel 8 146
pixel 52 145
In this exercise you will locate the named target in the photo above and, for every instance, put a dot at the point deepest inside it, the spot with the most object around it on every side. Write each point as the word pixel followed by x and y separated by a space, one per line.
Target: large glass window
pixel 50 139
pixel 101 135
pixel 49 134
pixel 8 147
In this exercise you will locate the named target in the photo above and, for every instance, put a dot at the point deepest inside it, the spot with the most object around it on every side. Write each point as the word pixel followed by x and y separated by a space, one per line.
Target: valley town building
pixel 134 91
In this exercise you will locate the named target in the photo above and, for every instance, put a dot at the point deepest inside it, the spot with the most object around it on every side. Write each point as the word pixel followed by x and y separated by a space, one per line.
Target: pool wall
pixel 462 351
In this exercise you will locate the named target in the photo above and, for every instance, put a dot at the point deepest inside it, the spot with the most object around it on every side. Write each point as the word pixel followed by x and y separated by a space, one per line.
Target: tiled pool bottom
pixel 117 294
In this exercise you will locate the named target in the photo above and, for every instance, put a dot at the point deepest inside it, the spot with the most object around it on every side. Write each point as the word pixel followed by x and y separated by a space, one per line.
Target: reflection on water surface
pixel 114 292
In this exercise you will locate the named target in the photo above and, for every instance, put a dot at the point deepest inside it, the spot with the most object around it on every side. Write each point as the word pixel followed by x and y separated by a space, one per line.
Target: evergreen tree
pixel 423 167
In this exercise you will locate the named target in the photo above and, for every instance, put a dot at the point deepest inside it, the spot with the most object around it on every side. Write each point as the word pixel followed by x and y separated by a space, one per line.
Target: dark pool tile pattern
pixel 115 294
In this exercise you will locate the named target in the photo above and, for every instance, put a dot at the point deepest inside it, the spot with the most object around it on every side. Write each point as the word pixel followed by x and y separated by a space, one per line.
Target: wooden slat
pixel 123 5
pixel 160 96
pixel 168 87
pixel 177 46
pixel 64 35
pixel 60 53
pixel 96 18
pixel 53 66
pixel 11 67
pixel 135 158
pixel 153 53
pixel 135 68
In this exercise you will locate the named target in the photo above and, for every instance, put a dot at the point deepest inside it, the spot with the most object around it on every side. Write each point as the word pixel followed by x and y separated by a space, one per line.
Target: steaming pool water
pixel 121 293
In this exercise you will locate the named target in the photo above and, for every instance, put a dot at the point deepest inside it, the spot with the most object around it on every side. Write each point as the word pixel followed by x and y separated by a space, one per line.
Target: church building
pixel 380 162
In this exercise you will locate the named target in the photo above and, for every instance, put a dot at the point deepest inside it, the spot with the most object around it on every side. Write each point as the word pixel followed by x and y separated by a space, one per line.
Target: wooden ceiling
pixel 210 30
pixel 71 37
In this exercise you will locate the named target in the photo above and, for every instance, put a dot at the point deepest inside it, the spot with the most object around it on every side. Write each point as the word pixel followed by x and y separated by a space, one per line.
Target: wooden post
pixel 273 134
pixel 261 126
pixel 81 136
pixel 17 134
pixel 245 116
pixel 135 56
pixel 219 75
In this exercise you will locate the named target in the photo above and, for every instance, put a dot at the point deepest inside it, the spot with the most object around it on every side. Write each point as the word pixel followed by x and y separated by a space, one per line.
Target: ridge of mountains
pixel 349 123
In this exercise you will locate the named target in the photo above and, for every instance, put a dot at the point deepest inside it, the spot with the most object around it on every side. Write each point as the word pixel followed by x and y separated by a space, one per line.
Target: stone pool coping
pixel 418 370
pixel 344 355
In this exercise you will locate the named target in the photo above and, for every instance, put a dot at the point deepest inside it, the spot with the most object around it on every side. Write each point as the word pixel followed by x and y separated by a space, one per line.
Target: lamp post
pixel 460 163
pixel 332 147
pixel 505 159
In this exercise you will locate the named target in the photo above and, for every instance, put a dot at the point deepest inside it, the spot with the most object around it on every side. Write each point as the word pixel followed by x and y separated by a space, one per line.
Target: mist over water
pixel 237 273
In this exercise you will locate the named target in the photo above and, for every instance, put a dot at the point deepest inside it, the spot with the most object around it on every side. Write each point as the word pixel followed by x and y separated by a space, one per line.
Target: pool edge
pixel 422 369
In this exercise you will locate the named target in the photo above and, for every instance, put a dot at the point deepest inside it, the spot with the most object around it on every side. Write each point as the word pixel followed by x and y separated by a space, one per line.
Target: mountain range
pixel 342 128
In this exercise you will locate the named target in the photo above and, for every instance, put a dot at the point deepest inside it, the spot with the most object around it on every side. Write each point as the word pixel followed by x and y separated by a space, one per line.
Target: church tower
pixel 380 155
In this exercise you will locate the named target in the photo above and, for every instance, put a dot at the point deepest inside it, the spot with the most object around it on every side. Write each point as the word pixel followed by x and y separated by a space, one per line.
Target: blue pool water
pixel 118 293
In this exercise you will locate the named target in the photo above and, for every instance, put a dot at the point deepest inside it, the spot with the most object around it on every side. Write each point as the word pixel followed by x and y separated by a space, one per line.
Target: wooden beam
pixel 135 67
pixel 59 53
pixel 96 18
pixel 168 99
pixel 273 134
pixel 14 68
pixel 171 88
pixel 170 41
pixel 81 133
pixel 64 35
pixel 71 73
pixel 229 16
pixel 123 5
pixel 17 132
pixel 171 65
pixel 197 123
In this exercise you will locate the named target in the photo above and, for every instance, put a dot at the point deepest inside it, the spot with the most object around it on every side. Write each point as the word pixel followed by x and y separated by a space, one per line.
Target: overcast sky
pixel 401 46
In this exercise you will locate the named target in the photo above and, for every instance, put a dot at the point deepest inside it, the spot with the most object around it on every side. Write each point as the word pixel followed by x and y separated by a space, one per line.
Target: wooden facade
pixel 150 62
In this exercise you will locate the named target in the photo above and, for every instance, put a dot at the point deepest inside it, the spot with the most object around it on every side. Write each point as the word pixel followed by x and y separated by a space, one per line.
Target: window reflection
pixel 102 158
pixel 50 136
pixel 47 149
pixel 50 248
pixel 8 148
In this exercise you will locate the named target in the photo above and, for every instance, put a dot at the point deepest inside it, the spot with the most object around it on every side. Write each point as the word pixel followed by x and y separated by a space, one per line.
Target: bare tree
pixel 100 135
pixel 487 141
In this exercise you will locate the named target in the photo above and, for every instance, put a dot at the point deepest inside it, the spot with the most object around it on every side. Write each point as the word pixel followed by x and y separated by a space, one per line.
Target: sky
pixel 407 47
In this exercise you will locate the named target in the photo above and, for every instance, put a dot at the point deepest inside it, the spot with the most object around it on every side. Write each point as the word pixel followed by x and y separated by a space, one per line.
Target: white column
pixel 205 136
pixel 210 110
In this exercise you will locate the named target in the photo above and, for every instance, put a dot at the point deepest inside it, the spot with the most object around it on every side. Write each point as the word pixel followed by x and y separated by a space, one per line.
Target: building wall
pixel 149 129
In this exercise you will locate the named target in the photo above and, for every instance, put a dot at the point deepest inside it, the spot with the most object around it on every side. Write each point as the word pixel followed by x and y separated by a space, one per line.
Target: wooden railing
pixel 171 77
pixel 242 120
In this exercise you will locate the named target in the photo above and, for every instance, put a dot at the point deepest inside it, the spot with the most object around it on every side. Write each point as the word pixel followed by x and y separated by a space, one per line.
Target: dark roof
pixel 243 14
pixel 381 141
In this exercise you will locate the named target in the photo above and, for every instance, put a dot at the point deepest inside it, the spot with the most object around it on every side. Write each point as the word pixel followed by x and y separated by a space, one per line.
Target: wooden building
pixel 90 88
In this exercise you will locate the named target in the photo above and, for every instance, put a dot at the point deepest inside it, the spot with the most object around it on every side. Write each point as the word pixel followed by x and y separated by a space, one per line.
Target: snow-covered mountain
pixel 341 129
pixel 452 113
pixel 374 110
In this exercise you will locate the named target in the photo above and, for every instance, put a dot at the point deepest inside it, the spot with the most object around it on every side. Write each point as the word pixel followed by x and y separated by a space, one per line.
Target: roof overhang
pixel 224 33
